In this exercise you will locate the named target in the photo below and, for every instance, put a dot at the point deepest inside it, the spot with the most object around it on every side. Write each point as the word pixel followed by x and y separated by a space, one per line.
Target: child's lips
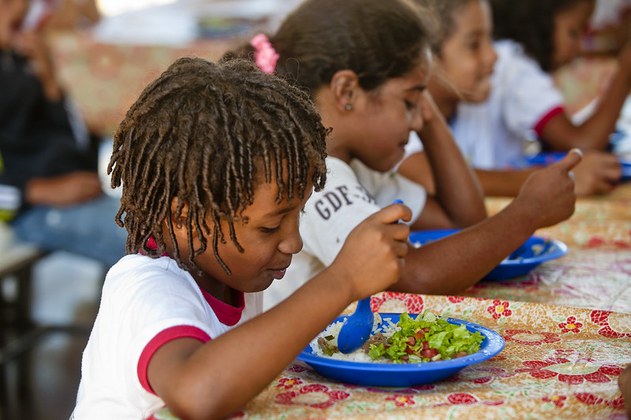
pixel 279 274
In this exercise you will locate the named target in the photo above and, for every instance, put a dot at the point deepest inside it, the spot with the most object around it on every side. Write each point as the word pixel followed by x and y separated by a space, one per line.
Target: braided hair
pixel 204 135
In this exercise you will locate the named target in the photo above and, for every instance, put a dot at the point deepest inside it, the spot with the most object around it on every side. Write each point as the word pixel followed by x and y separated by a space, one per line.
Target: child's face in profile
pixel 467 55
pixel 269 237
pixel 569 27
pixel 384 118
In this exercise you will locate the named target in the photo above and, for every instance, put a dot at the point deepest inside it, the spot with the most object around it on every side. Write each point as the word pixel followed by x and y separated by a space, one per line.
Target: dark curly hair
pixel 197 136
pixel 377 39
pixel 531 24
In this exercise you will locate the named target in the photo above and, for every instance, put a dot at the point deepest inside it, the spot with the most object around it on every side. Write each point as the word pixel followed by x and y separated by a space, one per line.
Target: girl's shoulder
pixel 515 69
pixel 137 271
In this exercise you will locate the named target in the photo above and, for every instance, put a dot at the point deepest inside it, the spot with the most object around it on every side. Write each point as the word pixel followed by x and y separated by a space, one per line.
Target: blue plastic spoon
pixel 358 326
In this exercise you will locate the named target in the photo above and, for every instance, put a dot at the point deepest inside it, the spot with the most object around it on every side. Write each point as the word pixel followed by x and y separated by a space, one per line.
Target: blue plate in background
pixel 533 252
pixel 626 170
pixel 403 374
pixel 546 158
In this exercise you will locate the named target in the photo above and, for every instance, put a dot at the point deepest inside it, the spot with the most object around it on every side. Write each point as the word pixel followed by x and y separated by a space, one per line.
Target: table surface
pixel 567 324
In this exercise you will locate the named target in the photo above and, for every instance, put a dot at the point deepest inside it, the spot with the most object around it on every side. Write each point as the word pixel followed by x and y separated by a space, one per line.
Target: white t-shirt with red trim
pixel 522 100
pixel 495 133
pixel 145 303
pixel 351 194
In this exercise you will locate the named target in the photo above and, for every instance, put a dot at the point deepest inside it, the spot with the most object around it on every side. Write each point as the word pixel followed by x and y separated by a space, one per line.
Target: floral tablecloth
pixel 596 272
pixel 567 327
pixel 559 362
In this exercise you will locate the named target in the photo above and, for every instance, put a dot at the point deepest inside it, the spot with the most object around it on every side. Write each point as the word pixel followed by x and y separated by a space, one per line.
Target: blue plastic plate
pixel 545 159
pixel 626 171
pixel 533 252
pixel 403 374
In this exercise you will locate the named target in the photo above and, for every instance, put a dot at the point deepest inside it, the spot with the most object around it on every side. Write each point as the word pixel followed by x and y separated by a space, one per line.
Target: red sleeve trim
pixel 547 117
pixel 163 337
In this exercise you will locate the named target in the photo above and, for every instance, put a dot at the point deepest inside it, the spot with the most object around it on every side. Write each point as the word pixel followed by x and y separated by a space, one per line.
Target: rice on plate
pixel 419 339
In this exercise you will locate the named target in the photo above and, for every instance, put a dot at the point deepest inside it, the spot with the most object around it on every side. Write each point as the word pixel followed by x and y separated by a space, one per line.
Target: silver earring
pixel 348 107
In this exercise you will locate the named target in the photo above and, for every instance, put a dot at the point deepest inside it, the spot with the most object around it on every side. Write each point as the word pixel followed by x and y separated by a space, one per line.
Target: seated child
pixel 50 190
pixel 464 62
pixel 216 162
pixel 366 64
pixel 535 38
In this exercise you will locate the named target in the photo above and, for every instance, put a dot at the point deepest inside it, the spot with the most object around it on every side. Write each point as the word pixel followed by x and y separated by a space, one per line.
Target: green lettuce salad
pixel 425 338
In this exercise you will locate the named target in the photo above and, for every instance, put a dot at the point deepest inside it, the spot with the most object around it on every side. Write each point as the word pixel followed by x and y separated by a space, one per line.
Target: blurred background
pixel 105 52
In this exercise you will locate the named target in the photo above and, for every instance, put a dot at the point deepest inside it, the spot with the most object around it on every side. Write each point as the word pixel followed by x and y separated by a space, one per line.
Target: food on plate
pixel 424 338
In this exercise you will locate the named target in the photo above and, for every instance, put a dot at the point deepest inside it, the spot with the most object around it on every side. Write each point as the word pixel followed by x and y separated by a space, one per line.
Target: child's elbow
pixel 189 407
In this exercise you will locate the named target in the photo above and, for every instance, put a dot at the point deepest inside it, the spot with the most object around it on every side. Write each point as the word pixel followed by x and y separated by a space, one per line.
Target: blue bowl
pixel 403 374
pixel 626 171
pixel 533 252
pixel 546 158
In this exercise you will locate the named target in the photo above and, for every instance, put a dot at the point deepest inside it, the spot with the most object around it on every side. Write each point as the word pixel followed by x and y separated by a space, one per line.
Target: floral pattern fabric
pixel 567 327
pixel 558 362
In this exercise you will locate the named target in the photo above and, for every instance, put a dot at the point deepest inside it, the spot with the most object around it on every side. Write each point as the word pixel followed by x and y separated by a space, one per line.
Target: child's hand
pixel 548 195
pixel 597 173
pixel 372 256
pixel 429 110
pixel 64 190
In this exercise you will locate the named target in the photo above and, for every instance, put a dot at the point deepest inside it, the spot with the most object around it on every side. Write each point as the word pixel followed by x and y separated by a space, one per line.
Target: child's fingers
pixel 393 213
pixel 570 160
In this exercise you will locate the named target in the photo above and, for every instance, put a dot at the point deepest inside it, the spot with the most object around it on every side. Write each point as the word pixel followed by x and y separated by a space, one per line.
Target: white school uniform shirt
pixel 145 303
pixel 351 194
pixel 494 134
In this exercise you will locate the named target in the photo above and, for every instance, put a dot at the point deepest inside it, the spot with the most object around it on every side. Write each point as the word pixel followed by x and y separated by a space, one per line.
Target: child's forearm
pixel 602 123
pixel 506 183
pixel 593 133
pixel 456 186
pixel 223 375
pixel 457 262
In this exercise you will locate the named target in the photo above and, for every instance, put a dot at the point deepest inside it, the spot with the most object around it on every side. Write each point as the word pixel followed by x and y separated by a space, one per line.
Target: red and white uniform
pixel 145 303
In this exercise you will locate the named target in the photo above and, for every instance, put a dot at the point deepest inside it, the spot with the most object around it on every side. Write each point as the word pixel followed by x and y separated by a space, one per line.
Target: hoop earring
pixel 348 107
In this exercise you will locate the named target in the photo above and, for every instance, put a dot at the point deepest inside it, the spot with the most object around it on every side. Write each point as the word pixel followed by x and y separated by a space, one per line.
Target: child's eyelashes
pixel 269 230
pixel 475 45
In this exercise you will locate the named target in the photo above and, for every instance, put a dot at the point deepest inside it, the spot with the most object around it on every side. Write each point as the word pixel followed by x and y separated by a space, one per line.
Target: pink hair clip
pixel 265 56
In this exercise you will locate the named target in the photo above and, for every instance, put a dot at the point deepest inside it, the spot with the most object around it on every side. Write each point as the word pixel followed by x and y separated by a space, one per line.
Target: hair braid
pixel 202 137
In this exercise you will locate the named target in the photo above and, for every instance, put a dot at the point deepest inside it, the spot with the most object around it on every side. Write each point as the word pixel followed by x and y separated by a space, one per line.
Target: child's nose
pixel 292 244
pixel 416 122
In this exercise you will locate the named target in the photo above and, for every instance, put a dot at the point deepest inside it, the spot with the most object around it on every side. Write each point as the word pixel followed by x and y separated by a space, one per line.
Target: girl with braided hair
pixel 216 162
pixel 367 64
